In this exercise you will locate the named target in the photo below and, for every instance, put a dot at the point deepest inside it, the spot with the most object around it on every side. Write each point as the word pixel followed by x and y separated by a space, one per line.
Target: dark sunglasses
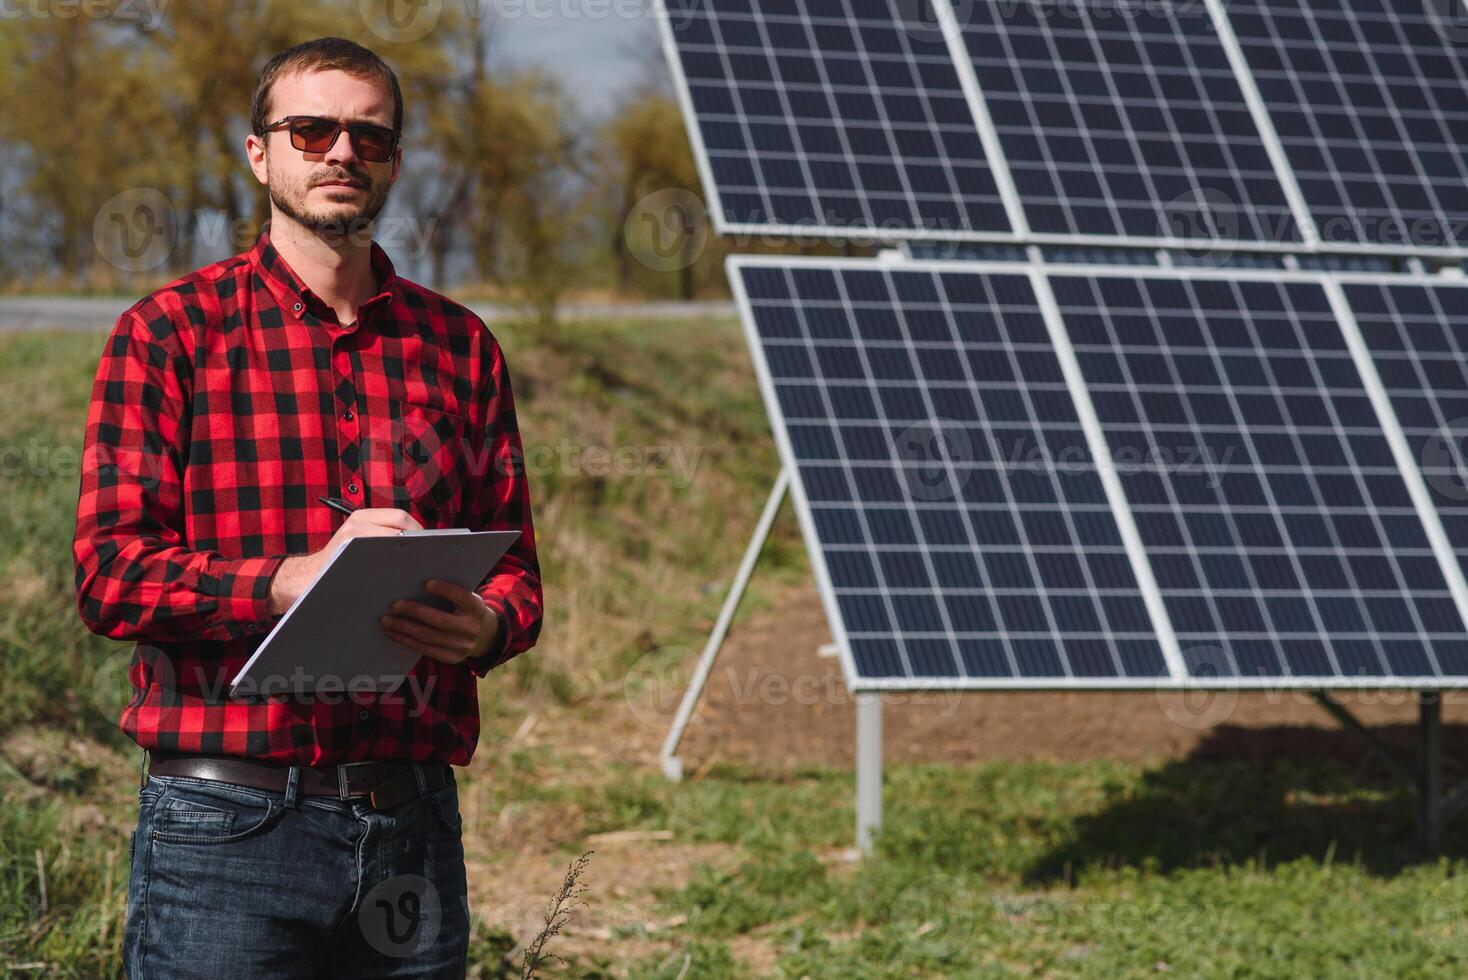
pixel 315 134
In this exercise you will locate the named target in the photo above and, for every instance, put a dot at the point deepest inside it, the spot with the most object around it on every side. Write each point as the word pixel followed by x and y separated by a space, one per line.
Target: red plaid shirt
pixel 225 403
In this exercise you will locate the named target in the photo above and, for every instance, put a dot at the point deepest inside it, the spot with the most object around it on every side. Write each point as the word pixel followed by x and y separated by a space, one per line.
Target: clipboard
pixel 329 640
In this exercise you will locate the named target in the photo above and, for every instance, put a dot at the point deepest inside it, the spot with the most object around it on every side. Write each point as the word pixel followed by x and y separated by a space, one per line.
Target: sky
pixel 597 53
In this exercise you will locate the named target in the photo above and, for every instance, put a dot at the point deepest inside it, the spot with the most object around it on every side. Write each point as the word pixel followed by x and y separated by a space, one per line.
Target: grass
pixel 1100 869
pixel 636 553
pixel 63 865
pixel 1049 869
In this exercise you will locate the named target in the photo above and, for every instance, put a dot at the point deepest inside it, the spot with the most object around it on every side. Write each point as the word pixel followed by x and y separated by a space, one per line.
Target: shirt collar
pixel 296 298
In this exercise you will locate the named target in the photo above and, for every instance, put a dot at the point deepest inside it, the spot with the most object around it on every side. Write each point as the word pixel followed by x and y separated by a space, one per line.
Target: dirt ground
pixel 772 702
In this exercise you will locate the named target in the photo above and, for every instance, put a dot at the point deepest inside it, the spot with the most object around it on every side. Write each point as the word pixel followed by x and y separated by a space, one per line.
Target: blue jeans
pixel 233 881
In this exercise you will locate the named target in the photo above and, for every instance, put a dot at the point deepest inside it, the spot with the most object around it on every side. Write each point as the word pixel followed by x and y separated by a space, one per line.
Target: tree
pixel 645 149
pixel 82 139
pixel 510 162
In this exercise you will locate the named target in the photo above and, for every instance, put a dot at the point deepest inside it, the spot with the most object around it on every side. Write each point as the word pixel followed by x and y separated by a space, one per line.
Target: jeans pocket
pixel 185 816
pixel 196 811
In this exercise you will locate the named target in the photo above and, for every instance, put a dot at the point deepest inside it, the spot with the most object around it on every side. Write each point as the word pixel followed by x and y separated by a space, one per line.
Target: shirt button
pixel 252 627
pixel 351 488
pixel 297 307
pixel 362 714
pixel 347 416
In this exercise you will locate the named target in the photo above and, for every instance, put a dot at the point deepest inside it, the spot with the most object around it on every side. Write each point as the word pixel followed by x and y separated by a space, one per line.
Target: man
pixel 299 835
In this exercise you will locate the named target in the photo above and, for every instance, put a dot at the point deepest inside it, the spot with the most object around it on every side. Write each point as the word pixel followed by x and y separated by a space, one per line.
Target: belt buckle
pixel 343 778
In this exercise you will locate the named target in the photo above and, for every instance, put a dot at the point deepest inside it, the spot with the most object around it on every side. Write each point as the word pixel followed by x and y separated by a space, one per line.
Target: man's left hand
pixel 450 636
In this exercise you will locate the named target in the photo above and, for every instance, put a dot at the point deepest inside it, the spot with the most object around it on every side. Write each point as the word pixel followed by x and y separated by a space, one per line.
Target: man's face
pixel 336 192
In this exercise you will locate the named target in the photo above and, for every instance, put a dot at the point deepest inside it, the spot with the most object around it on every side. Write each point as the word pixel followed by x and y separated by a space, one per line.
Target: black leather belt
pixel 383 784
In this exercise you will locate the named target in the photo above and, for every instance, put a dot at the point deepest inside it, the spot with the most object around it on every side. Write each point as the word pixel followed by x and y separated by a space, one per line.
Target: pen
pixel 336 504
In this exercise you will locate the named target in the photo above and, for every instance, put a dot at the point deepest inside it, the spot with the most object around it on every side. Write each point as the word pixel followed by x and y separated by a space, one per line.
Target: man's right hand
pixel 299 571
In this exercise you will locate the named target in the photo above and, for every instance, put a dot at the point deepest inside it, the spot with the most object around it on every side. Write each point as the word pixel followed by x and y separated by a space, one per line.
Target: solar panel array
pixel 1285 126
pixel 1064 464
pixel 963 530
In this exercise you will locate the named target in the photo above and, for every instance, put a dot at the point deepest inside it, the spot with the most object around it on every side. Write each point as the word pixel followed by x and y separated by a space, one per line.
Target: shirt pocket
pixel 417 461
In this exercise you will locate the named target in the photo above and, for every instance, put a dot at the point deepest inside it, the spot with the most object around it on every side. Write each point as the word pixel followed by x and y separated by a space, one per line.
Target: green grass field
pixel 1097 869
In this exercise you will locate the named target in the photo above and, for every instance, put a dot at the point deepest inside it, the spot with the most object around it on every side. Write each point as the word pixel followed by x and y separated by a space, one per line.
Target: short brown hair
pixel 322 54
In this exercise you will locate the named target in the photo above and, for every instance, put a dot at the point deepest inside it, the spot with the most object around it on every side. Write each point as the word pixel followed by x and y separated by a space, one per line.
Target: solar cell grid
pixel 846 114
pixel 961 524
pixel 1281 532
pixel 1416 336
pixel 1124 119
pixel 1370 101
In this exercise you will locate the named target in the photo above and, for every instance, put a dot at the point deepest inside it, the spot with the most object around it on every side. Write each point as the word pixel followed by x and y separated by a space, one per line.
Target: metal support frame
pixel 671 763
pixel 1430 771
pixel 868 703
pixel 868 767
pixel 1433 807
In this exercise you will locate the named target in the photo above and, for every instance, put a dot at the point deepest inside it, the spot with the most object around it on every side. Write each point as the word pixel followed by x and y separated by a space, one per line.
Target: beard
pixel 342 219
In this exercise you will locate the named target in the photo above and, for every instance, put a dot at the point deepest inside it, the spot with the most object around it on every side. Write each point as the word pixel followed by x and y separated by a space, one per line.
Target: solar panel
pixel 1368 99
pixel 1112 121
pixel 1258 528
pixel 954 513
pixel 1281 532
pixel 1415 334
pixel 845 116
pixel 1124 119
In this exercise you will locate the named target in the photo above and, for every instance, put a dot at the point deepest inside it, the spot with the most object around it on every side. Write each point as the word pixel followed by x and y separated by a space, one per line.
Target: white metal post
pixel 868 767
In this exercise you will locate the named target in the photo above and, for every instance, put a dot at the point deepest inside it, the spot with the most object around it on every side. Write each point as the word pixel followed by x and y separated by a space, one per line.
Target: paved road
pixel 100 313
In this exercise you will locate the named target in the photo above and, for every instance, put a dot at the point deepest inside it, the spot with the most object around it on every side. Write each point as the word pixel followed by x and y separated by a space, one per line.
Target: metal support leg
pixel 1434 806
pixel 868 767
pixel 1430 763
pixel 672 765
pixel 1373 743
